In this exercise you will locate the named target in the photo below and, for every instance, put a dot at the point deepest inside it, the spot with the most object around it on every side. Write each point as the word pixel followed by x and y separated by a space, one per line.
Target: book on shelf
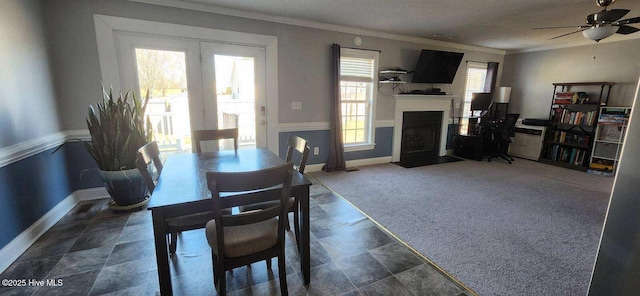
pixel 562 101
pixel 566 98
pixel 563 137
pixel 563 98
pixel 613 118
pixel 574 156
pixel 562 115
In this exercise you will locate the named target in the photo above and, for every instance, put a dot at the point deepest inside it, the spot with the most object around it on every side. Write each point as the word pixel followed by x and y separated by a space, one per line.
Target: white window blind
pixel 358 75
pixel 476 76
pixel 356 69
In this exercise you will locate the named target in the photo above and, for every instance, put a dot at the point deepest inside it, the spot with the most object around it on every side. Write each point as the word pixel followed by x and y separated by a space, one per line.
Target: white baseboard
pixel 351 163
pixel 15 248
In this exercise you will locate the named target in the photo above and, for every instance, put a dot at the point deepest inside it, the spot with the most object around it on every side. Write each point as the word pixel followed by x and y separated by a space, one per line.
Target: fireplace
pixel 420 141
pixel 418 104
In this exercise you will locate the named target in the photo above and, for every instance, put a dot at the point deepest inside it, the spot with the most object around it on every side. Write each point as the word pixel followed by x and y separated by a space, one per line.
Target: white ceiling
pixel 498 24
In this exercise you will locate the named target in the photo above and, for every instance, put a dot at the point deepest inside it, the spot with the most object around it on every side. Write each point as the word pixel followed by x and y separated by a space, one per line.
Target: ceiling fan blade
pixel 567 34
pixel 561 27
pixel 633 20
pixel 606 16
pixel 625 30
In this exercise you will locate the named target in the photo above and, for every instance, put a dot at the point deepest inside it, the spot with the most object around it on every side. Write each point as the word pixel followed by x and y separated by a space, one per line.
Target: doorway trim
pixel 107 26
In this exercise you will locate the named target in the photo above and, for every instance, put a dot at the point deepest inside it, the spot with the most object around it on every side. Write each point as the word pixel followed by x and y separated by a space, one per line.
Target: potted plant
pixel 118 130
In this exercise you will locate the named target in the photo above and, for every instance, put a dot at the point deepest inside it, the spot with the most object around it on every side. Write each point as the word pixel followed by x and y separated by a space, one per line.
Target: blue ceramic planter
pixel 126 187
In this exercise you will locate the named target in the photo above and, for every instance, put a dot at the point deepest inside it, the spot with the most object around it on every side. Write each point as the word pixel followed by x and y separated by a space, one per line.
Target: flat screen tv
pixel 437 66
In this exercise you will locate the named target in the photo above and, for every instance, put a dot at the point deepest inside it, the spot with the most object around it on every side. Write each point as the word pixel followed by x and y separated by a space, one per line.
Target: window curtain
pixel 335 161
pixel 492 74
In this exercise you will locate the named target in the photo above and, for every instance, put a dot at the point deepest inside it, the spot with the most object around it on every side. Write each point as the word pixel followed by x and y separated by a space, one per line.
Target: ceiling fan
pixel 604 23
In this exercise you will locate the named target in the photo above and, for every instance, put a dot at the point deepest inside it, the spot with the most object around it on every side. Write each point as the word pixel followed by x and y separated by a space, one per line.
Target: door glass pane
pixel 163 74
pixel 236 95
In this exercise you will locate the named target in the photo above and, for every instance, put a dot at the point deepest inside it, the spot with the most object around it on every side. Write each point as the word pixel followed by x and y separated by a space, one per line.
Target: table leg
pixel 305 256
pixel 162 252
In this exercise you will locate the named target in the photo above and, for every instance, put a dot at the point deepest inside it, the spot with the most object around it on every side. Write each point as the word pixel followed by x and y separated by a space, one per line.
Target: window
pixel 476 76
pixel 358 75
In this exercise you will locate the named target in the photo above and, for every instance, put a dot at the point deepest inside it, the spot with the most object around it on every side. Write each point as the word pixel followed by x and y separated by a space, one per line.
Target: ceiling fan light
pixel 599 33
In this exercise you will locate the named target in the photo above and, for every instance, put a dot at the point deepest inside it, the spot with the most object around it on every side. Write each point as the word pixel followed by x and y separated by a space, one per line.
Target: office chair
pixel 501 137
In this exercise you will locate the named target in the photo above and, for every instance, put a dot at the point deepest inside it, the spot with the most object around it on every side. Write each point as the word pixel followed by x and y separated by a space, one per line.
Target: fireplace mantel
pixel 407 103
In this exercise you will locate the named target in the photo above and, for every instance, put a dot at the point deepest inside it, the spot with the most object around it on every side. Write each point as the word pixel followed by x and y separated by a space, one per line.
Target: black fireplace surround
pixel 420 142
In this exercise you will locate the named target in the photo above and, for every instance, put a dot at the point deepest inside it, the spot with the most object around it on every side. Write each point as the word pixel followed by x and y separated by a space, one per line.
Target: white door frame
pixel 107 26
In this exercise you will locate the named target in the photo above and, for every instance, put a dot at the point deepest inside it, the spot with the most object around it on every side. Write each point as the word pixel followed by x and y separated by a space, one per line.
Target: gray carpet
pixel 520 229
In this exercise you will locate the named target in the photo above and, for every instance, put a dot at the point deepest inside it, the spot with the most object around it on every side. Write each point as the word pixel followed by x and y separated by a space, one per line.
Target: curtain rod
pixel 362 48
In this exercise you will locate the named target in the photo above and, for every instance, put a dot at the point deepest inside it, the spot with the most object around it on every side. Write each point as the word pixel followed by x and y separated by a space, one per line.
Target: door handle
pixel 263 122
pixel 263 110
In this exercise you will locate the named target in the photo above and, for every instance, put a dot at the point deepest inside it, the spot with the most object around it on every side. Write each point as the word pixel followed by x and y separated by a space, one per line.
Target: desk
pixel 468 146
pixel 182 190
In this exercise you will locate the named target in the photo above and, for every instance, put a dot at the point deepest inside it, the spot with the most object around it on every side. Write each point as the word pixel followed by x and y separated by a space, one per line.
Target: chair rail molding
pixel 321 126
pixel 20 151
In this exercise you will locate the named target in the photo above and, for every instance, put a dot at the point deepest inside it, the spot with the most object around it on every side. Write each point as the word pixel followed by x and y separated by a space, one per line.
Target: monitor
pixel 480 101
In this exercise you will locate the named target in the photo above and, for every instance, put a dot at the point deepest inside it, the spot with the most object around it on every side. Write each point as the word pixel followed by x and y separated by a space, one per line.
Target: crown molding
pixel 315 25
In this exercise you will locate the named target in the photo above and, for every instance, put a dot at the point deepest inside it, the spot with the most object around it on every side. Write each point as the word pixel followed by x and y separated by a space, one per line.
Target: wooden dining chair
pixel 251 236
pixel 150 154
pixel 199 136
pixel 299 147
pixel 296 147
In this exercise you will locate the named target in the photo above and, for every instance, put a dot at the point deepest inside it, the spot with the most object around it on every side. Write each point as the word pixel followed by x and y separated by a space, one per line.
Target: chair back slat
pixel 250 197
pixel 271 184
pixel 199 136
pixel 147 155
pixel 300 146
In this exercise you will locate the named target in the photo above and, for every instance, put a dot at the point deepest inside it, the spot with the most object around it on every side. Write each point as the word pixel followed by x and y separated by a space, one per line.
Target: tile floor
pixel 94 251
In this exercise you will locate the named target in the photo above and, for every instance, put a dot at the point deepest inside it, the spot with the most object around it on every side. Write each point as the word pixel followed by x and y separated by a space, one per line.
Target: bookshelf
pixel 573 121
pixel 612 127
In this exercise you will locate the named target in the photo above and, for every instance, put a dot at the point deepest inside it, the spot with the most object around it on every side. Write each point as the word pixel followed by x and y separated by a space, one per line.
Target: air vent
pixel 84 208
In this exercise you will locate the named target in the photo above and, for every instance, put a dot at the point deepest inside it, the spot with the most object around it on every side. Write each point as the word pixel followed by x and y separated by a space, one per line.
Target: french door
pixel 196 85
pixel 233 80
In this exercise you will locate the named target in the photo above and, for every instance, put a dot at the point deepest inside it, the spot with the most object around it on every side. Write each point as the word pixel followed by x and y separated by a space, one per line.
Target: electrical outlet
pixel 296 105
pixel 316 150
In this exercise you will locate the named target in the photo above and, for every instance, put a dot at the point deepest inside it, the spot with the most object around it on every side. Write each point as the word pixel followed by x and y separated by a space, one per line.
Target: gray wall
pixel 27 101
pixel 31 187
pixel 531 74
pixel 303 56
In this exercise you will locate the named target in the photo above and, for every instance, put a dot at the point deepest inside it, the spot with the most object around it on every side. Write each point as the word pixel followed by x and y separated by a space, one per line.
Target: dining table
pixel 182 189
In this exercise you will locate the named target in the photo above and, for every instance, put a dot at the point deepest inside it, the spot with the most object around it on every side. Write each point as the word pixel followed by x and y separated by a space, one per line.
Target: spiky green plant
pixel 118 130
